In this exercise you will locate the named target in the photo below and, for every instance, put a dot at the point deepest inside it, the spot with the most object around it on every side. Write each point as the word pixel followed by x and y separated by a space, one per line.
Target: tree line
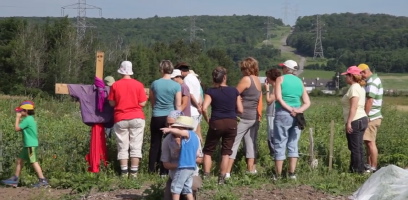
pixel 376 39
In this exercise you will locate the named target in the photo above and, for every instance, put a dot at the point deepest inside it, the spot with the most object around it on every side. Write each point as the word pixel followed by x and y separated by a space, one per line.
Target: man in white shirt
pixel 195 90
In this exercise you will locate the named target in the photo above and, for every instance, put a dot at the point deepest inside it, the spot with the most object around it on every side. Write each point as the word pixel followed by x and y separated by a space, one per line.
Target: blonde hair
pixel 249 66
pixel 358 79
pixel 166 67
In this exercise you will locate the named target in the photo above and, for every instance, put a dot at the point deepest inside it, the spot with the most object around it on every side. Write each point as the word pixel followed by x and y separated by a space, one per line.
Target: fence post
pixel 1 152
pixel 311 147
pixel 331 145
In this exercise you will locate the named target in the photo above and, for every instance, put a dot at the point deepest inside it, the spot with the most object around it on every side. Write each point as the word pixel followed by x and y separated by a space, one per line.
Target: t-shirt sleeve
pixel 185 91
pixel 142 94
pixel 354 91
pixel 371 90
pixel 24 124
pixel 166 153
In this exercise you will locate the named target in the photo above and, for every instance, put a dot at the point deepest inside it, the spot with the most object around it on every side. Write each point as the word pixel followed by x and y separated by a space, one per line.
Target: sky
pixel 173 8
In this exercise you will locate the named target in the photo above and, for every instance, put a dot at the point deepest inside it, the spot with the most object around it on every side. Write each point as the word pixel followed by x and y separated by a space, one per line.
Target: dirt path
pixel 287 49
pixel 266 192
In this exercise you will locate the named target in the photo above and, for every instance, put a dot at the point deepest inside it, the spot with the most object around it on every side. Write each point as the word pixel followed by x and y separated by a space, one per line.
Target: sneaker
pixel 367 166
pixel 42 182
pixel 371 170
pixel 276 177
pixel 13 181
pixel 133 173
pixel 292 176
pixel 252 172
pixel 227 175
pixel 221 179
pixel 206 175
pixel 124 174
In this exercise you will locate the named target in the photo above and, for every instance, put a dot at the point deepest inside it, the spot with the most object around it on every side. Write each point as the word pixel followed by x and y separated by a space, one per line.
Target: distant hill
pixel 349 39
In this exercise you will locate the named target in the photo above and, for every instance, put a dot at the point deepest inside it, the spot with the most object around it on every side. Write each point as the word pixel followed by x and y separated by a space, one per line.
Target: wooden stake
pixel 331 145
pixel 311 146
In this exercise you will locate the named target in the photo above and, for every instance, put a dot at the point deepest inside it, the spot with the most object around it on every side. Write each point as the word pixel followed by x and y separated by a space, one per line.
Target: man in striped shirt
pixel 374 97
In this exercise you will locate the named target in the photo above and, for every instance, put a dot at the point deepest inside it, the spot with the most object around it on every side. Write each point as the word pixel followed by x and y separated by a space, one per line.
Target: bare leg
pixel 230 164
pixel 134 162
pixel 207 163
pixel 278 167
pixel 292 165
pixel 368 157
pixel 176 196
pixel 372 147
pixel 224 164
pixel 19 166
pixel 190 196
pixel 250 164
pixel 198 131
pixel 38 170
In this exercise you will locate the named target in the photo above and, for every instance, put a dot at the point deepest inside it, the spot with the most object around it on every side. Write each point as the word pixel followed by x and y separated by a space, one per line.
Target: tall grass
pixel 64 142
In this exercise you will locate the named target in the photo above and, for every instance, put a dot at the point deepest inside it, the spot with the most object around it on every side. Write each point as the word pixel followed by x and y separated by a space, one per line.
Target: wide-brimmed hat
pixel 125 68
pixel 176 72
pixel 109 80
pixel 184 122
pixel 291 64
pixel 25 105
pixel 352 70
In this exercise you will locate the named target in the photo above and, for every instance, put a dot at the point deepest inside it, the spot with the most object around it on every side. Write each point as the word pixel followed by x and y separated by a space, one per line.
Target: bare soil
pixel 267 192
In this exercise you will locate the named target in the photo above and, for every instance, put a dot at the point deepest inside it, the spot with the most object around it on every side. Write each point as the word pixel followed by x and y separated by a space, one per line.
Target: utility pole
pixel 318 50
pixel 269 27
pixel 81 23
pixel 193 29
pixel 286 11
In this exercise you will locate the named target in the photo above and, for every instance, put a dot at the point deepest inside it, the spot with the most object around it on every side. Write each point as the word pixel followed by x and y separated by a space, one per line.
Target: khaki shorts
pixel 371 132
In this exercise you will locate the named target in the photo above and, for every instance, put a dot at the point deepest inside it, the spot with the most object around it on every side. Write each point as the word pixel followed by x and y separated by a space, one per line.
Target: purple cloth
pixel 88 98
pixel 101 93
pixel 185 91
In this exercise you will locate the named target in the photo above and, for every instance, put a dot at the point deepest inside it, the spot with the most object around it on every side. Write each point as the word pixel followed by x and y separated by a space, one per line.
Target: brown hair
pixel 218 74
pixel 166 67
pixel 273 74
pixel 249 66
pixel 358 79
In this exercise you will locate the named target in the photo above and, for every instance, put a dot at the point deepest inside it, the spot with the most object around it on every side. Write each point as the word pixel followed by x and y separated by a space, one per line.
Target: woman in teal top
pixel 291 98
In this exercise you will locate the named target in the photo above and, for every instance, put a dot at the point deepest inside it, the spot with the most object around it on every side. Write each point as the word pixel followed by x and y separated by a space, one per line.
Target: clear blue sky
pixel 149 8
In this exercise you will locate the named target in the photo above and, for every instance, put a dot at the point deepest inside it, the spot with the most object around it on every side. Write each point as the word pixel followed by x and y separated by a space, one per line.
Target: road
pixel 287 49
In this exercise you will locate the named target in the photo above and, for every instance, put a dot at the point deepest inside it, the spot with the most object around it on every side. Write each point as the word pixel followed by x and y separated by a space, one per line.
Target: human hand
pixel 165 130
pixel 349 130
pixel 266 85
pixel 18 115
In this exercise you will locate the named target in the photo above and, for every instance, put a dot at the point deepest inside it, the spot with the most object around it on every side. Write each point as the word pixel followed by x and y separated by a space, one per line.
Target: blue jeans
pixel 182 181
pixel 286 135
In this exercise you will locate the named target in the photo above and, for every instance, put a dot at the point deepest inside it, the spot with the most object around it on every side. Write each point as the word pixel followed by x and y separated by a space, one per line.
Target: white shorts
pixel 197 120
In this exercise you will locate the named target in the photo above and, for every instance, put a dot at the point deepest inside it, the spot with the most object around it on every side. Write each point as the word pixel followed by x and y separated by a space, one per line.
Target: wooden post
pixel 331 145
pixel 62 88
pixel 311 147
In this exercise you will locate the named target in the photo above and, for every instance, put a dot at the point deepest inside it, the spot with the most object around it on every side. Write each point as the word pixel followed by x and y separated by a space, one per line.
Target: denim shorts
pixel 182 181
pixel 286 135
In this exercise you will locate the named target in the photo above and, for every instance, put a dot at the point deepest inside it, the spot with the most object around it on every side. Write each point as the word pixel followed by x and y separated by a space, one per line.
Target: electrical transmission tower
pixel 286 11
pixel 193 29
pixel 269 27
pixel 318 50
pixel 81 23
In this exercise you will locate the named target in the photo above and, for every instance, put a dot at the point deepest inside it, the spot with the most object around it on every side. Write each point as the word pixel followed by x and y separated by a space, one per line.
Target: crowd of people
pixel 179 104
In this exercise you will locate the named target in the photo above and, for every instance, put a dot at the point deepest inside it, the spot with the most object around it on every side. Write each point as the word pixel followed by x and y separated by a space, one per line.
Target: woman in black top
pixel 225 103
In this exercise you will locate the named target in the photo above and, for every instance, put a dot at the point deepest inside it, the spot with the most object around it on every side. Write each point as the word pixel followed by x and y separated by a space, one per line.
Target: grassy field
pixel 64 141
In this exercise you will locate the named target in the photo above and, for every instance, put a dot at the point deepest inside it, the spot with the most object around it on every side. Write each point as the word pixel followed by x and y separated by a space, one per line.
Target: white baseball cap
pixel 125 68
pixel 176 72
pixel 291 64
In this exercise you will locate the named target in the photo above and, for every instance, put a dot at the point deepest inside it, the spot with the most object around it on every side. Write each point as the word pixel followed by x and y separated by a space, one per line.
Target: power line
pixel 81 23
pixel 318 50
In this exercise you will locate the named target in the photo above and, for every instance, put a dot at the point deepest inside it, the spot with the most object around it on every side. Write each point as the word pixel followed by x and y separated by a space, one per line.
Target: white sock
pixel 124 167
pixel 134 168
pixel 227 175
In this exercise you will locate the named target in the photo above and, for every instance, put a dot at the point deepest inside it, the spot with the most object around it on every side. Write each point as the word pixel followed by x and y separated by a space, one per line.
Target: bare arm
pixel 207 102
pixel 352 113
pixel 16 125
pixel 243 84
pixel 176 132
pixel 112 103
pixel 169 165
pixel 184 101
pixel 306 102
pixel 151 98
pixel 178 101
pixel 143 103
pixel 368 105
pixel 240 107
